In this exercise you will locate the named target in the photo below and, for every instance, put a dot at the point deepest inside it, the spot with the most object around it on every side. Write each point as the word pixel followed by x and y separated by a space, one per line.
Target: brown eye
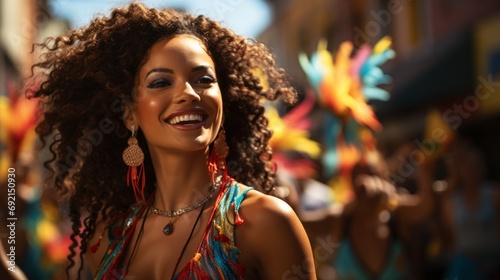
pixel 207 79
pixel 159 83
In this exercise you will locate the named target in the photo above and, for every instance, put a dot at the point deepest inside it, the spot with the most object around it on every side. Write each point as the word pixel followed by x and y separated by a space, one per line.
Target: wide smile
pixel 187 120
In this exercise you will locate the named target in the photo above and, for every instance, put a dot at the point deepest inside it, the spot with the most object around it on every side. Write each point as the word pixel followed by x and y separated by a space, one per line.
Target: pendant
pixel 168 229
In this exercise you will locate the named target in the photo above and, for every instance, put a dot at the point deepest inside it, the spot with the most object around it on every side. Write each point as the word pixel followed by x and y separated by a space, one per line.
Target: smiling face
pixel 178 100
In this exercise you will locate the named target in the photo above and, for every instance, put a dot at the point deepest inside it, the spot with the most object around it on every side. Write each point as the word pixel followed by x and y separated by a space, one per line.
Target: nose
pixel 187 94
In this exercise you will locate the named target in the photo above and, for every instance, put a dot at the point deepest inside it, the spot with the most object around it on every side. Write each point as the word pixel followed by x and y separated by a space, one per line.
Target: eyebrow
pixel 161 70
pixel 167 70
pixel 202 67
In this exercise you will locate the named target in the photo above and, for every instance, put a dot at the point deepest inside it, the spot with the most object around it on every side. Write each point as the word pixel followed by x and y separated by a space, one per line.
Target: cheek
pixel 144 110
pixel 213 98
pixel 220 106
pixel 147 104
pixel 220 111
pixel 217 97
pixel 148 107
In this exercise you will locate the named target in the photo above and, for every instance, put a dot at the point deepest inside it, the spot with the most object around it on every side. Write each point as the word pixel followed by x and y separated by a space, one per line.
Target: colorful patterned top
pixel 216 256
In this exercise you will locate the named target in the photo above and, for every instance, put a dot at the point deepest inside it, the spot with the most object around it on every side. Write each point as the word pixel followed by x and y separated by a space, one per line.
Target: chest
pixel 151 254
pixel 200 246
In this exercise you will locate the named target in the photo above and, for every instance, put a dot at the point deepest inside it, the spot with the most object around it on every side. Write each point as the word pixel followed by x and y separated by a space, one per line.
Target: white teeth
pixel 184 118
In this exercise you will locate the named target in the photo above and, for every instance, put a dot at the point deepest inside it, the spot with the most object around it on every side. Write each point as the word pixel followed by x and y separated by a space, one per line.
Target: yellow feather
pixel 382 45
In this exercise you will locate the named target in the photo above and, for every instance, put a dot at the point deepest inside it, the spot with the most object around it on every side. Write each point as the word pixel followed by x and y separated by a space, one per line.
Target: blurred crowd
pixel 442 222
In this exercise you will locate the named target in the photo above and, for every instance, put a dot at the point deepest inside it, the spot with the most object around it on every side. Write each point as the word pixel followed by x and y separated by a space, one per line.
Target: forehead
pixel 180 50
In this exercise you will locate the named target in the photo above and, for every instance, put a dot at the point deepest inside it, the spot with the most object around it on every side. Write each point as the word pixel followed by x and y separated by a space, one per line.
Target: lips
pixel 187 119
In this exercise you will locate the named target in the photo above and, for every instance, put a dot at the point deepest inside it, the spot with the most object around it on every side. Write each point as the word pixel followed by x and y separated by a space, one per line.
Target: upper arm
pixel 273 240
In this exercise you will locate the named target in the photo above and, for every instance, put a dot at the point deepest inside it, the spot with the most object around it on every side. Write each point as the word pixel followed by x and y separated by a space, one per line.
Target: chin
pixel 197 146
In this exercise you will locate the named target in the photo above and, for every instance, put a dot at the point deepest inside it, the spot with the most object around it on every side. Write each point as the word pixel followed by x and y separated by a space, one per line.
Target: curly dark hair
pixel 89 75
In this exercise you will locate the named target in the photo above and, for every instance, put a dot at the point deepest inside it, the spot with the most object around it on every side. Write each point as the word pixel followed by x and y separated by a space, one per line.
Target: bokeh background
pixel 445 75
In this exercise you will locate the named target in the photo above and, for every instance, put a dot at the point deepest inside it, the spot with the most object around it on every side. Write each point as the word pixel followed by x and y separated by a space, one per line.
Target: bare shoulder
pixel 269 215
pixel 272 239
pixel 266 208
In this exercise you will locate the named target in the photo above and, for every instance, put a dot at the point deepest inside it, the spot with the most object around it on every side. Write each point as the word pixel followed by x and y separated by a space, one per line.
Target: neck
pixel 181 178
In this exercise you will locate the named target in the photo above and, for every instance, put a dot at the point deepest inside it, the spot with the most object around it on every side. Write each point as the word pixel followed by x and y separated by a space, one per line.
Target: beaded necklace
pixel 169 228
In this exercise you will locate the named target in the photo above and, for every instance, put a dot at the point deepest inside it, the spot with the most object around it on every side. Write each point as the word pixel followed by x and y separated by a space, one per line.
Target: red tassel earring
pixel 217 160
pixel 134 158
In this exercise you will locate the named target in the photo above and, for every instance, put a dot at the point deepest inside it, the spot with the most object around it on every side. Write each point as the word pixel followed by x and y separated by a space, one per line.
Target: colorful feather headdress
pixel 344 86
pixel 291 135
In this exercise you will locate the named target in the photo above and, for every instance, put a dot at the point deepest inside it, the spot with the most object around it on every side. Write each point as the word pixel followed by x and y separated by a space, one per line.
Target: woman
pixel 184 91
pixel 471 213
pixel 369 237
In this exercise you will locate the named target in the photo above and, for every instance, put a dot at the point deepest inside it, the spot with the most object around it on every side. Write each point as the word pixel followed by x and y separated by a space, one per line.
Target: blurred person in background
pixel 372 232
pixel 471 212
